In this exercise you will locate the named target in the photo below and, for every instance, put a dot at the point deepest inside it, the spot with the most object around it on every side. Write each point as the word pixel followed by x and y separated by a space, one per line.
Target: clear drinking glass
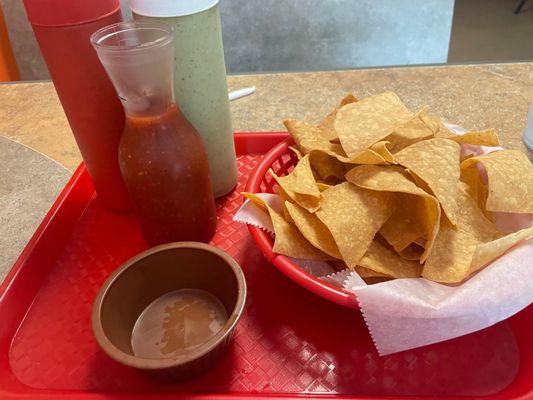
pixel 162 158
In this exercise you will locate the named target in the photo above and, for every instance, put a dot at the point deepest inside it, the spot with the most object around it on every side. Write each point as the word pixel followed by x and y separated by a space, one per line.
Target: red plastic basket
pixel 289 343
pixel 282 161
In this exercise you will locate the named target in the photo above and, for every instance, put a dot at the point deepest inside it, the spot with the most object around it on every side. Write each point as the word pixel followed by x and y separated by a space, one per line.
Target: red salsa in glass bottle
pixel 162 158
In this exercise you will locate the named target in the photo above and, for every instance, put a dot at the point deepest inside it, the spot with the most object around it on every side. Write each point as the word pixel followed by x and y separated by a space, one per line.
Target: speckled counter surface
pixel 474 96
pixel 29 183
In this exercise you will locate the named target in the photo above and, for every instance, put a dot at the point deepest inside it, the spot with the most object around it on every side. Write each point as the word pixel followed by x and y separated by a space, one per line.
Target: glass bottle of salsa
pixel 162 158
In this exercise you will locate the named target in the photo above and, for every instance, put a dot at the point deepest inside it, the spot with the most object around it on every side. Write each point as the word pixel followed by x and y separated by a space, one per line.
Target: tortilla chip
pixel 461 254
pixel 487 252
pixel 473 220
pixel 284 197
pixel 323 186
pixel 361 271
pixel 482 195
pixel 421 242
pixel 353 216
pixel 359 125
pixel 373 280
pixel 313 229
pixel 404 226
pixel 348 99
pixel 453 252
pixel 383 151
pixel 436 162
pixel 488 137
pixel 326 126
pixel 383 178
pixel 297 152
pixel 407 134
pixel 369 157
pixel 309 139
pixel 422 209
pixel 471 177
pixel 254 198
pixel 437 126
pixel 380 258
pixel 368 273
pixel 300 185
pixel 476 188
pixel 433 123
pixel 419 182
pixel 290 242
pixel 301 180
pixel 412 252
pixel 326 166
pixel 510 180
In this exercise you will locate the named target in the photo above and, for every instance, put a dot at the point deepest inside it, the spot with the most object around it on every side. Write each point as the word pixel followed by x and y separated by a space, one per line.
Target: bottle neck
pixel 171 115
pixel 138 57
pixel 140 105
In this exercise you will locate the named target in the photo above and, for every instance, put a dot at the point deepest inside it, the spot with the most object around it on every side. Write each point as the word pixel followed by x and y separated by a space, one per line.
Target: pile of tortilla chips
pixel 383 191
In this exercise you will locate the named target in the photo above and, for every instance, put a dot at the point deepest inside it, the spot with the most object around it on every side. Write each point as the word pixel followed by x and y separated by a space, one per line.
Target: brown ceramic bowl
pixel 149 275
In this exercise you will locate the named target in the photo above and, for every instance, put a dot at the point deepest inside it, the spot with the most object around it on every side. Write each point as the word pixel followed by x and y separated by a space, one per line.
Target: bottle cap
pixel 170 8
pixel 68 12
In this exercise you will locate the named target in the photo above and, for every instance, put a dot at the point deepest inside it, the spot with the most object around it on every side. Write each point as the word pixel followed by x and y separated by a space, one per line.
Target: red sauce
pixel 165 168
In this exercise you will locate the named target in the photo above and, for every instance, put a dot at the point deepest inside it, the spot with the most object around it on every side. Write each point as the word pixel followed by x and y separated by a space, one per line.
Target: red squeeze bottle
pixel 90 102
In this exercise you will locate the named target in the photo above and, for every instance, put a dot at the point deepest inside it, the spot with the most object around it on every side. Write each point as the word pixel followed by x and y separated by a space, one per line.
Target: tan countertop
pixel 474 96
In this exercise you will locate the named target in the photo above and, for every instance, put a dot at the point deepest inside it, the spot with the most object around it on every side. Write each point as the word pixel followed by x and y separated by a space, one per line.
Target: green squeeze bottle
pixel 200 78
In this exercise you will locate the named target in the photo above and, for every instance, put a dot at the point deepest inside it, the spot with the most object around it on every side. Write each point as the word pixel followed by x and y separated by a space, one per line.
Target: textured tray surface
pixel 288 341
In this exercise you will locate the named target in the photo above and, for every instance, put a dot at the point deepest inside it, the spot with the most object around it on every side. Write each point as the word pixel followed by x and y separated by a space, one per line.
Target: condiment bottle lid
pixel 68 12
pixel 170 8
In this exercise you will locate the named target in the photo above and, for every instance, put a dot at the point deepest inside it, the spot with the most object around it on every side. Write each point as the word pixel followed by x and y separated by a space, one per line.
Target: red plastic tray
pixel 289 343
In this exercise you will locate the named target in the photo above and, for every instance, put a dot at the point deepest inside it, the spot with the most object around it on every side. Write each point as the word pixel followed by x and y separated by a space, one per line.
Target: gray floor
pixel 487 30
